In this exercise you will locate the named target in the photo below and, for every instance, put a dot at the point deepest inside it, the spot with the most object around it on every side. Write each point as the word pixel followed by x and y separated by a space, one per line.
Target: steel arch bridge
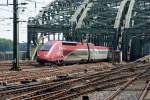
pixel 121 24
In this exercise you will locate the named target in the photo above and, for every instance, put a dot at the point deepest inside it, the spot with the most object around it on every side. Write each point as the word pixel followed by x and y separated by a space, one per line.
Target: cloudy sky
pixel 25 11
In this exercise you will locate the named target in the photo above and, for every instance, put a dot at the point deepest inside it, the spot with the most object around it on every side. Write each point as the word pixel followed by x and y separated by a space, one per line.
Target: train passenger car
pixel 65 51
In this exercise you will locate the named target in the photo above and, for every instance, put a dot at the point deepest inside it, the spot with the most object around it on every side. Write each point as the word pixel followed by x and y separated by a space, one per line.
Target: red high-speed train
pixel 66 51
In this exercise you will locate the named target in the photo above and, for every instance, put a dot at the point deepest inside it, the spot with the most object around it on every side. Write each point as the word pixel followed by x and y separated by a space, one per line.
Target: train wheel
pixel 53 65
pixel 60 62
pixel 83 61
pixel 93 61
pixel 41 63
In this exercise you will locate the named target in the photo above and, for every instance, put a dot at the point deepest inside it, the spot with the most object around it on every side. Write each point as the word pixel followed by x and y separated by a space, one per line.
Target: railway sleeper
pixel 25 89
pixel 82 91
pixel 45 90
pixel 42 96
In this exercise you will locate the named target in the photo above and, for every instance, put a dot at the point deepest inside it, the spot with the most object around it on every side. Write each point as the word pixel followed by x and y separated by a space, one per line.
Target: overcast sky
pixel 25 11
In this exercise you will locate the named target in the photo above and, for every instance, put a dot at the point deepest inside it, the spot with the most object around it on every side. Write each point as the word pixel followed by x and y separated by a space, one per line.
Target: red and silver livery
pixel 65 51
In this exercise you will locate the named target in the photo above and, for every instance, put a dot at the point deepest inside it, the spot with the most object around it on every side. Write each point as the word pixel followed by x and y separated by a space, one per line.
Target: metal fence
pixel 4 56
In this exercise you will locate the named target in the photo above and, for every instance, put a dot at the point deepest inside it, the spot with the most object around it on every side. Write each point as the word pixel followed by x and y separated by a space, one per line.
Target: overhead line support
pixel 16 66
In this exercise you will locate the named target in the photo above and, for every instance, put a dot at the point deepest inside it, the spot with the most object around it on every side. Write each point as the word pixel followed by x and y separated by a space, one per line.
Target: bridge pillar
pixel 29 43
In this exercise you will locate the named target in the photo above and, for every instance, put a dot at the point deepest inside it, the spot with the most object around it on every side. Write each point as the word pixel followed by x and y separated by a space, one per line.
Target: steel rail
pixel 89 84
pixel 90 80
pixel 81 91
pixel 26 89
pixel 144 92
pixel 79 79
pixel 111 97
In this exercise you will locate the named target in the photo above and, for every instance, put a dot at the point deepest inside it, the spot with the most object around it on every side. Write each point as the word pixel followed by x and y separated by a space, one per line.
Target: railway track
pixel 145 91
pixel 89 80
pixel 59 87
pixel 10 77
pixel 6 65
pixel 82 85
pixel 106 84
pixel 21 62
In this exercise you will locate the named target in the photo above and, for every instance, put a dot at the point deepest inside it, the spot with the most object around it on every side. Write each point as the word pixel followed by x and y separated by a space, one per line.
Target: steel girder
pixel 56 14
pixel 54 18
pixel 137 25
pixel 98 20
pixel 109 22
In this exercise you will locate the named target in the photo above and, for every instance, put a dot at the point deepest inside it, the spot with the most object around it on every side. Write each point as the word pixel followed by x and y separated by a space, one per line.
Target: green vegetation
pixel 6 45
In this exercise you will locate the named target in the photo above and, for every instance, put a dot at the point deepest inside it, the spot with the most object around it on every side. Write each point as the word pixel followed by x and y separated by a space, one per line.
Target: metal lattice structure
pixel 119 24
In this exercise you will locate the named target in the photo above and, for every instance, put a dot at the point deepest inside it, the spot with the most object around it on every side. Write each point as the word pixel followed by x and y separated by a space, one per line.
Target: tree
pixel 6 45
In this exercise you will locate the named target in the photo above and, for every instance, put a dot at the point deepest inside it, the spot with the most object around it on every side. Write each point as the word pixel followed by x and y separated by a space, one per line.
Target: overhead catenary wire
pixel 32 8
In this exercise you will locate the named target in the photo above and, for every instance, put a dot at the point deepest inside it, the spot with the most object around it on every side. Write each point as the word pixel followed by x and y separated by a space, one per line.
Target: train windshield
pixel 46 47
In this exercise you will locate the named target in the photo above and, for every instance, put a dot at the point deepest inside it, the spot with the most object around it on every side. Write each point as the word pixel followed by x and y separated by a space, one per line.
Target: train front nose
pixel 42 56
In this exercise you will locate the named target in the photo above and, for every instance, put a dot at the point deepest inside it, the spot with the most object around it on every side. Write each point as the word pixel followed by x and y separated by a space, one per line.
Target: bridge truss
pixel 121 24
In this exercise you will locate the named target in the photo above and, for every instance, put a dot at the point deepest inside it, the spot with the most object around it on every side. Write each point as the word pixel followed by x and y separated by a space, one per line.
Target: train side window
pixel 85 98
pixel 46 47
pixel 70 44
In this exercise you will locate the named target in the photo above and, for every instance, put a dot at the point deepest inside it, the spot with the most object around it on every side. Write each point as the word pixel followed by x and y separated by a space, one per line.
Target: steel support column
pixel 16 66
pixel 29 44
